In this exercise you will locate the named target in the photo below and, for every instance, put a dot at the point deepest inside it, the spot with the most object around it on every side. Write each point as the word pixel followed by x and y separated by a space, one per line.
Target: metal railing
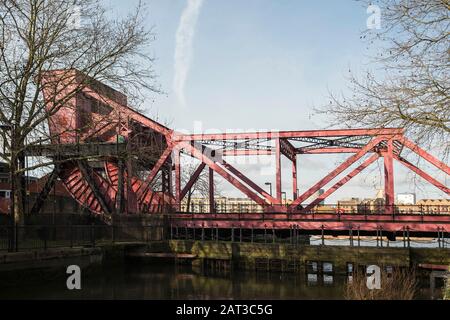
pixel 273 236
pixel 326 208
pixel 33 237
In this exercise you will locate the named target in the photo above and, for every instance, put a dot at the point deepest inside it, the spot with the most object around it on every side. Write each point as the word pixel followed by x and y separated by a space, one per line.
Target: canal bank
pixel 214 256
pixel 285 257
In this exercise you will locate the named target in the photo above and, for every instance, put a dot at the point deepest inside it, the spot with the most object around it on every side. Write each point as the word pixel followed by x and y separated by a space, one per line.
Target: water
pixel 170 282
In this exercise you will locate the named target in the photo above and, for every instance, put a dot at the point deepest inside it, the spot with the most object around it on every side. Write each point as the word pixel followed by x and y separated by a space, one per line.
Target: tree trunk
pixel 188 201
pixel 18 195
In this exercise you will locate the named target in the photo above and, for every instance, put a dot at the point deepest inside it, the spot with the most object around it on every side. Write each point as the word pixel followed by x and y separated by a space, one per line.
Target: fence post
pixel 16 237
pixel 46 234
pixel 381 236
pixel 439 237
pixel 359 239
pixel 71 235
pixel 404 237
pixel 290 234
pixel 351 236
pixel 273 234
pixel 93 235
pixel 407 234
pixel 113 232
pixel 232 234
pixel 323 236
pixel 265 234
pixel 252 235
pixel 377 238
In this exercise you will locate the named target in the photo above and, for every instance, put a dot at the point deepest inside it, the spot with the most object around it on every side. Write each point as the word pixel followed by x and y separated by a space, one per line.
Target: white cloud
pixel 184 47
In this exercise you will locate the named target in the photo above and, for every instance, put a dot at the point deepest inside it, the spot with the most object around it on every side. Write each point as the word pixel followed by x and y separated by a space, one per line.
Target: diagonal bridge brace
pixel 214 166
pixel 337 171
pixel 423 174
pixel 249 182
pixel 343 181
pixel 425 155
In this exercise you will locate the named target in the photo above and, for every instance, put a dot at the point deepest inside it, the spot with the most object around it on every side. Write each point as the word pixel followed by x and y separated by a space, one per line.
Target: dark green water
pixel 170 282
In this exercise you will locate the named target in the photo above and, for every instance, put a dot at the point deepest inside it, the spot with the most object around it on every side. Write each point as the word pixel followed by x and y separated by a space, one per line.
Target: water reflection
pixel 170 282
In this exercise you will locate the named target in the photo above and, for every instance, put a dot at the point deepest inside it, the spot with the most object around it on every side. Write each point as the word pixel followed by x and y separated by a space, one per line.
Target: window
pixel 100 108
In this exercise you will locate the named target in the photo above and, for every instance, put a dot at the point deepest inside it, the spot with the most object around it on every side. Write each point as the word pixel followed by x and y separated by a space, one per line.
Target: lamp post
pixel 270 185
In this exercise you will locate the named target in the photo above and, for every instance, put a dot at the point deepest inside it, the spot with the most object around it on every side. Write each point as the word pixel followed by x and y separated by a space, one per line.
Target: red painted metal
pixel 423 174
pixel 415 223
pixel 177 164
pixel 425 155
pixel 144 188
pixel 290 134
pixel 249 182
pixel 192 180
pixel 99 113
pixel 343 181
pixel 336 172
pixel 278 170
pixel 389 176
pixel 210 163
pixel 211 191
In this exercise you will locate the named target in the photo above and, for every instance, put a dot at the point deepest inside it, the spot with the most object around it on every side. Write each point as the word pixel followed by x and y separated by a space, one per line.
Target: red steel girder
pixel 213 165
pixel 329 150
pixel 231 153
pixel 423 174
pixel 287 149
pixel 278 170
pixel 192 180
pixel 343 181
pixel 422 153
pixel 249 182
pixel 141 193
pixel 415 223
pixel 389 176
pixel 289 134
pixel 336 172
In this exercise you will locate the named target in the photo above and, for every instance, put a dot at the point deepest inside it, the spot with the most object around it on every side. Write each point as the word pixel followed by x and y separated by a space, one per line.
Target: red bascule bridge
pixel 114 160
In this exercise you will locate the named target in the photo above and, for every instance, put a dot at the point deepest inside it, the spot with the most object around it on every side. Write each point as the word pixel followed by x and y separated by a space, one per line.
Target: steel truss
pixel 120 185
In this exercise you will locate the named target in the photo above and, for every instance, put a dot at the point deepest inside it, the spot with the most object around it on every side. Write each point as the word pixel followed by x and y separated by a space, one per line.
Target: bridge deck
pixel 318 221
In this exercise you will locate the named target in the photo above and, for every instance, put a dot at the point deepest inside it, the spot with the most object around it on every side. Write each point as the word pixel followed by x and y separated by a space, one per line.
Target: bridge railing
pixel 365 208
pixel 293 237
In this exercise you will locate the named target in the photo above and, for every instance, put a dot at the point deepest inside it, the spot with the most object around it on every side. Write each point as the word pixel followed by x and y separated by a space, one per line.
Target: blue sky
pixel 262 64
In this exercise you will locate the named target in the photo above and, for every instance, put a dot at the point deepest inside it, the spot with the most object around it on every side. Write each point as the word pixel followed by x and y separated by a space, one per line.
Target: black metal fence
pixel 19 238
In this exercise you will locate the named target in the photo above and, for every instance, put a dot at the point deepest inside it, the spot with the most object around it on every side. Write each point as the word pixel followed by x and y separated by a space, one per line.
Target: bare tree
pixel 411 89
pixel 200 187
pixel 74 37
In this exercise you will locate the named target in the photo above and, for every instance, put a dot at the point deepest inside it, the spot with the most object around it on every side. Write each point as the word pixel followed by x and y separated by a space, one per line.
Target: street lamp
pixel 270 185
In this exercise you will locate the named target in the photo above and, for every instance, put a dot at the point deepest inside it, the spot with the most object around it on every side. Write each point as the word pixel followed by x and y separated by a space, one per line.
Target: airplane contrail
pixel 184 47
